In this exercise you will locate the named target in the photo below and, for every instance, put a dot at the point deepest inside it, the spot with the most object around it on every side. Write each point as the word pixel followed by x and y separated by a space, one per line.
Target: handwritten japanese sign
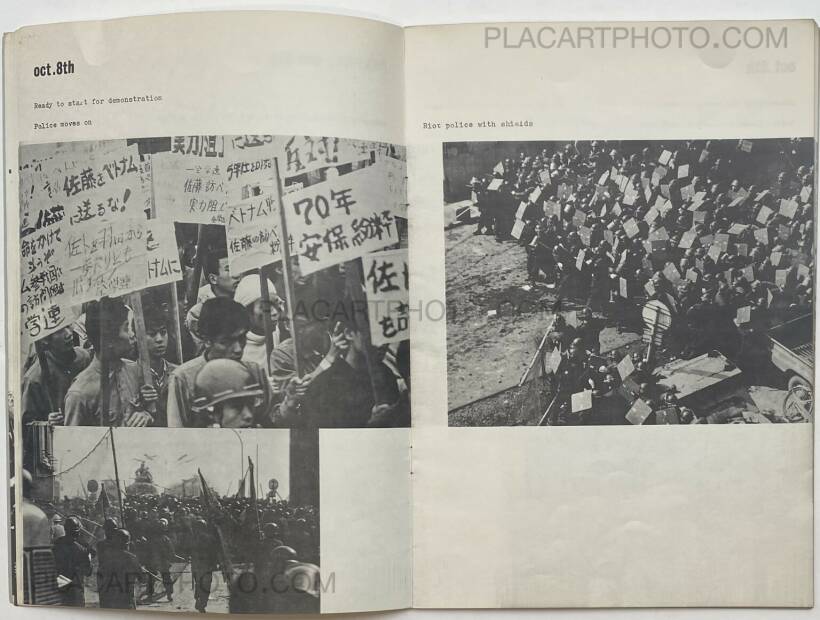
pixel 69 187
pixel 252 233
pixel 301 154
pixel 90 260
pixel 395 171
pixel 340 219
pixel 199 146
pixel 386 281
pixel 85 233
pixel 249 173
pixel 190 188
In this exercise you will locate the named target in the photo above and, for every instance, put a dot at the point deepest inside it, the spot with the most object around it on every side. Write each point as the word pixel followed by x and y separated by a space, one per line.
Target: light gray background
pixel 17 13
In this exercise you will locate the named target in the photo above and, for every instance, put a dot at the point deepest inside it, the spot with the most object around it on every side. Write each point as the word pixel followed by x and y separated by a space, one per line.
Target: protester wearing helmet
pixel 227 394
pixel 223 325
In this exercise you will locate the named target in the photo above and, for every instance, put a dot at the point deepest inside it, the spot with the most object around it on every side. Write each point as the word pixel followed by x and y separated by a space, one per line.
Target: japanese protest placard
pixel 252 234
pixel 340 219
pixel 200 146
pixel 249 173
pixel 62 188
pixel 190 189
pixel 386 283
pixel 69 264
pixel 87 235
pixel 395 171
pixel 301 154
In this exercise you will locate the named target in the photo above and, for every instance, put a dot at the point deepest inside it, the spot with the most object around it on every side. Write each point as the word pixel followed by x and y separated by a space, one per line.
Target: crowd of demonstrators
pixel 268 537
pixel 228 319
pixel 720 232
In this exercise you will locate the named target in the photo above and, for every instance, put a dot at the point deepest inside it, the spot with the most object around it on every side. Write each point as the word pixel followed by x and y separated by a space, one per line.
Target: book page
pixel 612 346
pixel 208 353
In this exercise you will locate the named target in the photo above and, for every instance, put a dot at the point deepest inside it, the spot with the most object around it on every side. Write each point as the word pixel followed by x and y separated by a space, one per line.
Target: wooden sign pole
pixel 105 383
pixel 266 317
pixel 172 287
pixel 354 279
pixel 290 293
pixel 193 286
pixel 135 299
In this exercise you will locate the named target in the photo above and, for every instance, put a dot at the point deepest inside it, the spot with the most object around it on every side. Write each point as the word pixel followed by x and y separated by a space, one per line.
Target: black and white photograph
pixel 617 282
pixel 156 290
pixel 128 518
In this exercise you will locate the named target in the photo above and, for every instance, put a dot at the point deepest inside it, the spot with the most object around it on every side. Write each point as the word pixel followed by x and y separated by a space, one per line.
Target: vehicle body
pixel 792 350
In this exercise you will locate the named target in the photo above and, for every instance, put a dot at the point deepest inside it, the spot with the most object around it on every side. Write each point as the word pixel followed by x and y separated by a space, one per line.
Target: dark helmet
pixel 221 380
pixel 283 554
pixel 72 525
pixel 110 525
pixel 122 537
pixel 270 530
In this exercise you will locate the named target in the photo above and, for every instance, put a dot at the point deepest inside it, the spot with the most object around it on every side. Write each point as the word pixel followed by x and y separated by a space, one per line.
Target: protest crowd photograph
pixel 129 518
pixel 630 282
pixel 157 291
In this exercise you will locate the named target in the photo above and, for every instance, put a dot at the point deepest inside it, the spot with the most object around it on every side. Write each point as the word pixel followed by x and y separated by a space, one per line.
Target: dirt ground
pixel 183 598
pixel 487 353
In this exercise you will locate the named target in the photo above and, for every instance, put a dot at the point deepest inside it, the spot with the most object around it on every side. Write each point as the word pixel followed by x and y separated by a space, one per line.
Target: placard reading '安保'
pixel 342 218
pixel 386 283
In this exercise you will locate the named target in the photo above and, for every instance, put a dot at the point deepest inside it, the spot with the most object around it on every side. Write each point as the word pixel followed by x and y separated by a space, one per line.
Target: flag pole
pixel 226 565
pixel 290 293
pixel 253 499
pixel 116 475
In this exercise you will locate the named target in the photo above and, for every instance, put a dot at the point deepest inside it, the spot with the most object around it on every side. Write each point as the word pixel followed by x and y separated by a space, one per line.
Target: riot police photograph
pixel 629 282
pixel 149 519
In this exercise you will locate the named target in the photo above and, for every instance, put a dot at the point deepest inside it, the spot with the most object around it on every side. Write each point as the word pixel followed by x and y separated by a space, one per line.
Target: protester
pixel 219 282
pixel 156 331
pixel 44 390
pixel 223 326
pixel 109 332
pixel 347 386
pixel 227 394
pixel 249 294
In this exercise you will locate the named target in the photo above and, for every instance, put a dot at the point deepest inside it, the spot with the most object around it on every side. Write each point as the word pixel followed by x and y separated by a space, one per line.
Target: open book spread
pixel 240 245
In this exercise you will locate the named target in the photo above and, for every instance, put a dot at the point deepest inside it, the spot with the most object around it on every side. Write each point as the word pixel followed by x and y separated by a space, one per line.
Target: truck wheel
pixel 798 405
pixel 796 380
